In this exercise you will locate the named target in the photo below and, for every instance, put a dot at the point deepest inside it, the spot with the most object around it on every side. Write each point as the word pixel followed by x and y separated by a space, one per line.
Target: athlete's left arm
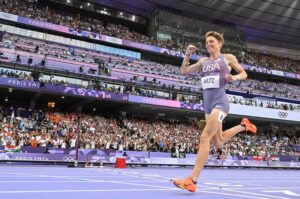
pixel 233 62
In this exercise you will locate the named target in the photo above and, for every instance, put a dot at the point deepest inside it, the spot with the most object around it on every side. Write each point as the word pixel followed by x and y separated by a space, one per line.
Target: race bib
pixel 212 81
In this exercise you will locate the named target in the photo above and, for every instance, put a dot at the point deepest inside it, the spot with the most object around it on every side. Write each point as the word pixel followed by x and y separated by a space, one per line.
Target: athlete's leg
pixel 213 126
pixel 211 134
pixel 220 138
pixel 232 132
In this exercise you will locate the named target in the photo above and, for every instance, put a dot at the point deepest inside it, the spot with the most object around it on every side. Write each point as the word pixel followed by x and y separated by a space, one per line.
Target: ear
pixel 221 44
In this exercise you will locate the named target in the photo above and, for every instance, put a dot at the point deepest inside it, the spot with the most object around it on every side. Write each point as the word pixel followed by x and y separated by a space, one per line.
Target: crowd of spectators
pixel 142 67
pixel 24 75
pixel 250 86
pixel 262 87
pixel 265 103
pixel 270 61
pixel 39 128
pixel 58 130
pixel 29 9
pixel 265 145
pixel 16 74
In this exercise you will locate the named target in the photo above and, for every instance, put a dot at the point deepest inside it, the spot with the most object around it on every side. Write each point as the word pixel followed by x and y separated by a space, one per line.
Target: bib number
pixel 212 81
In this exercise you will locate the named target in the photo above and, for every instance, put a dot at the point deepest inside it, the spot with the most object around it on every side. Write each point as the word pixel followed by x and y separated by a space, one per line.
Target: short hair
pixel 216 35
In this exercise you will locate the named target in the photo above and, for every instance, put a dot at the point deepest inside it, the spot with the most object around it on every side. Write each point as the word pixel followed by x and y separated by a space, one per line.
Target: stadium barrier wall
pixel 140 158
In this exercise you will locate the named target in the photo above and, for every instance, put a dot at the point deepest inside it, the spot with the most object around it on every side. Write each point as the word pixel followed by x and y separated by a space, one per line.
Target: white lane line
pixel 249 195
pixel 236 184
pixel 209 187
pixel 254 194
pixel 230 194
pixel 63 181
pixel 17 176
pixel 286 192
pixel 260 181
pixel 90 180
pixel 243 192
pixel 261 188
pixel 243 177
pixel 162 179
pixel 252 184
pixel 118 190
pixel 81 190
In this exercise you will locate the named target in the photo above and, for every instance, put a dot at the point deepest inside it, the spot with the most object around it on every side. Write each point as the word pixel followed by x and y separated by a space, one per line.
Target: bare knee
pixel 208 134
pixel 205 138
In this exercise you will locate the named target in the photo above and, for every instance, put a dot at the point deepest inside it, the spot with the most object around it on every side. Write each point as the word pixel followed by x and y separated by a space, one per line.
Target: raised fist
pixel 190 49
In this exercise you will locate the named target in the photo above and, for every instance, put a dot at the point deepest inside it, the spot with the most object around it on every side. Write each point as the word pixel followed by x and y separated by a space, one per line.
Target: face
pixel 213 45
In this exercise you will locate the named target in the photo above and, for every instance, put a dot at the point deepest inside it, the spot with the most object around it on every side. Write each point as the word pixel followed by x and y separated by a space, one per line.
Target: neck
pixel 215 55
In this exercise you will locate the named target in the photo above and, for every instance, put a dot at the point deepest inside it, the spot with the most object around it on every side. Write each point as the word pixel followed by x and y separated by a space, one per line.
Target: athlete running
pixel 215 73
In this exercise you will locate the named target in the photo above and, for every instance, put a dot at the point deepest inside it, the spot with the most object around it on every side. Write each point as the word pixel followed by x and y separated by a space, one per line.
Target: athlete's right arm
pixel 186 67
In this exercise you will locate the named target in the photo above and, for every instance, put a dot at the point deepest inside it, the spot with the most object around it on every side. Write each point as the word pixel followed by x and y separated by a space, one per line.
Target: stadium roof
pixel 270 22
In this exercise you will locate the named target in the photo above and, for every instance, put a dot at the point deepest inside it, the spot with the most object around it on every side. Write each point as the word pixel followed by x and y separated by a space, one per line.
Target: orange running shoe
pixel 248 125
pixel 185 184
